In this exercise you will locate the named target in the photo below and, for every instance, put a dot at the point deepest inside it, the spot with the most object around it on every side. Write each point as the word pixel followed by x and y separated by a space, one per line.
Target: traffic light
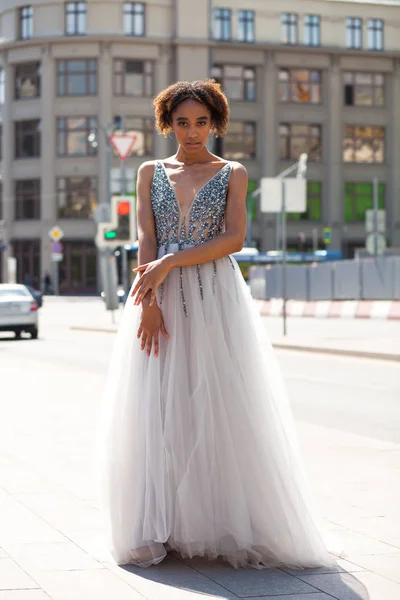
pixel 122 229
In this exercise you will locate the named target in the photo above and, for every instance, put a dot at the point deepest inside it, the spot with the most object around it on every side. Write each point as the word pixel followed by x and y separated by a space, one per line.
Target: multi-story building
pixel 315 76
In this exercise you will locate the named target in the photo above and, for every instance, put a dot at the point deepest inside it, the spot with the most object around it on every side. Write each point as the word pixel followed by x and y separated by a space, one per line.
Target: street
pixel 348 417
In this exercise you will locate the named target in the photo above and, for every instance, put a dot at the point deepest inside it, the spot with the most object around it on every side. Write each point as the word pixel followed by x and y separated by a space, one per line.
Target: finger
pixel 142 292
pixel 135 289
pixel 140 331
pixel 139 292
pixel 144 339
pixel 156 344
pixel 140 268
pixel 149 344
pixel 164 331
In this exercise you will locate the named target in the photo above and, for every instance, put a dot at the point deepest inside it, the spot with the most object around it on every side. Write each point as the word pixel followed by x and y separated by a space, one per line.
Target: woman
pixel 200 453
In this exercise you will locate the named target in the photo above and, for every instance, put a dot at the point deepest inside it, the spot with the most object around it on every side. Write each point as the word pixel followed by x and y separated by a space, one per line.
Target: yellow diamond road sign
pixel 56 233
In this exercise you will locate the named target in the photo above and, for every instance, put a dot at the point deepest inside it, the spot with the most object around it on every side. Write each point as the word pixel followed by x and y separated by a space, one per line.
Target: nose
pixel 192 132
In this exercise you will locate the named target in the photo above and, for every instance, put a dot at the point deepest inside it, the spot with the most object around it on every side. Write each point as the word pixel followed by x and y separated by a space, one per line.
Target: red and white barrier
pixel 332 309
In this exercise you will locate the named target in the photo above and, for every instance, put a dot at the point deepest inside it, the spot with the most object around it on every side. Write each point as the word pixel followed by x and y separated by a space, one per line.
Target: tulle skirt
pixel 198 448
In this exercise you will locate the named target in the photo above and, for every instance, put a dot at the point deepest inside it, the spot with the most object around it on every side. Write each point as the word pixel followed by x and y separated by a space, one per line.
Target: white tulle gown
pixel 198 446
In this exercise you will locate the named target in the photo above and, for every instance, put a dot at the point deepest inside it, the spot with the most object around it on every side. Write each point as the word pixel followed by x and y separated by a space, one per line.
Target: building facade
pixel 315 76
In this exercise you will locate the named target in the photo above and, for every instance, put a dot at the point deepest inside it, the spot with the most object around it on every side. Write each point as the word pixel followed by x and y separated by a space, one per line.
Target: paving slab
pixel 12 577
pixel 23 595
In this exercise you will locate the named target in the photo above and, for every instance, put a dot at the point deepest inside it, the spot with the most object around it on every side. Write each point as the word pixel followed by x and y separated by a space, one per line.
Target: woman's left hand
pixel 152 275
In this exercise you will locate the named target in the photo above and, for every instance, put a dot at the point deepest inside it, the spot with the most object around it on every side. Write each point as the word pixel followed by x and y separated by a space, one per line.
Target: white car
pixel 18 310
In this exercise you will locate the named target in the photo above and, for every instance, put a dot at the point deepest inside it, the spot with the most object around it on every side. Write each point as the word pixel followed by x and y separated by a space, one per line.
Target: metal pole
pixel 375 182
pixel 283 230
pixel 56 279
pixel 124 252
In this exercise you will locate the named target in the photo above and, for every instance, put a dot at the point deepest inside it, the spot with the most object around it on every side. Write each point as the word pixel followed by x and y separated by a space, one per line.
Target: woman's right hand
pixel 150 327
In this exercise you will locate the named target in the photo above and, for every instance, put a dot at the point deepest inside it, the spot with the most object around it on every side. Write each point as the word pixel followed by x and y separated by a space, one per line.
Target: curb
pixel 331 309
pixel 295 347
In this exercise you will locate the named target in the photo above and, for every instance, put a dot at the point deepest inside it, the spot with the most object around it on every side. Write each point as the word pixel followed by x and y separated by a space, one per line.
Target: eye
pixel 182 123
pixel 202 123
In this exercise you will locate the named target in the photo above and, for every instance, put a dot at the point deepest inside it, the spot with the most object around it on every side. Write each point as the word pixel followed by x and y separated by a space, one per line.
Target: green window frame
pixel 359 197
pixel 314 204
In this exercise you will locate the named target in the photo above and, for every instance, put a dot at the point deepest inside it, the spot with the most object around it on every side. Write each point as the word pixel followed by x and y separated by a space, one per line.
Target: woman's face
pixel 191 122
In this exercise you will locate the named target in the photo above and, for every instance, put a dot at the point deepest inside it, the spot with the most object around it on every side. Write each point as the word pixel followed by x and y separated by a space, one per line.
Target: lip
pixel 193 144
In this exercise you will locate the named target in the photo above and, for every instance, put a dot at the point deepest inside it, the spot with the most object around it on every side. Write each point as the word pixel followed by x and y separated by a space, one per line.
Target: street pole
pixel 375 191
pixel 283 229
pixel 124 252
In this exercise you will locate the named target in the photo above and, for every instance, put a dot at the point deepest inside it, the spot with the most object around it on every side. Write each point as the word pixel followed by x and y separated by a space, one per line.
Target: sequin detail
pixel 231 261
pixel 200 282
pixel 182 293
pixel 214 276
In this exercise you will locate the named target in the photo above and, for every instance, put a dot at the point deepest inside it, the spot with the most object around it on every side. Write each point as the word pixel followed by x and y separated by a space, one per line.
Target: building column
pixel 162 78
pixel 8 154
pixel 269 146
pixel 105 94
pixel 48 205
pixel 333 207
pixel 393 201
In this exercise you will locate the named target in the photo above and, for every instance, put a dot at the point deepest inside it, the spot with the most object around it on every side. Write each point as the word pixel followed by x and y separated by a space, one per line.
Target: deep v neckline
pixel 197 193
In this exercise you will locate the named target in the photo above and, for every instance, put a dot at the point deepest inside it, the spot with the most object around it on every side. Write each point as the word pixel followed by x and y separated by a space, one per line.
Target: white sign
pixel 57 256
pixel 123 143
pixel 102 213
pixel 271 194
pixel 380 243
pixel 380 220
pixel 56 233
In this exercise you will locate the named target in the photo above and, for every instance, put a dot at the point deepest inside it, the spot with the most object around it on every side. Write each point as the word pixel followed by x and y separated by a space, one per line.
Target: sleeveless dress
pixel 198 448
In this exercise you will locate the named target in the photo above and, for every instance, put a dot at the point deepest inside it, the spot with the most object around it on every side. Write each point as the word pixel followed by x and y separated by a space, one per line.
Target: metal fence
pixel 367 279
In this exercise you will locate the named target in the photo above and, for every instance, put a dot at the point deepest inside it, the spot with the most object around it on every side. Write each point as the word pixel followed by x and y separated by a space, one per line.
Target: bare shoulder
pixel 146 169
pixel 239 175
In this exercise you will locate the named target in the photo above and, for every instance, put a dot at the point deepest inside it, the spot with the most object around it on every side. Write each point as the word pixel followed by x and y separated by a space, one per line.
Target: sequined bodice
pixel 206 216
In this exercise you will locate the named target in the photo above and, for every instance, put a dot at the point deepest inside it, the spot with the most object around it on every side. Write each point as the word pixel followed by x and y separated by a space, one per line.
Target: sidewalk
pixel 370 338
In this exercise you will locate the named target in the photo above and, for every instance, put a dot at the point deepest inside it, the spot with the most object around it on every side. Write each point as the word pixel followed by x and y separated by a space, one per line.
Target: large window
pixel 27 139
pixel 73 134
pixel 27 253
pixel 239 142
pixel 300 86
pixel 27 199
pixel 27 81
pixel 78 270
pixel 297 138
pixel 246 31
pixel 134 18
pixel 359 197
pixel 222 24
pixel 142 129
pixel 76 197
pixel 375 34
pixel 77 77
pixel 133 78
pixel 354 33
pixel 75 18
pixel 25 22
pixel 313 204
pixel 312 30
pixel 363 89
pixel 364 144
pixel 289 28
pixel 238 82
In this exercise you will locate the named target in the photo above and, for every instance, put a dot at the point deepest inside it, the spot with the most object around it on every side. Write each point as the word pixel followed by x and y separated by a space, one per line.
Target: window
pixel 25 22
pixel 77 77
pixel 375 34
pixel 364 144
pixel 27 139
pixel 239 141
pixel 300 86
pixel 312 30
pixel 73 134
pixel 363 89
pixel 2 86
pixel 296 138
pixel 143 129
pixel 76 197
pixel 239 83
pixel 246 26
pixel 359 197
pixel 27 199
pixel 313 204
pixel 354 33
pixel 133 78
pixel 222 24
pixel 27 253
pixel 289 28
pixel 75 18
pixel 134 18
pixel 27 81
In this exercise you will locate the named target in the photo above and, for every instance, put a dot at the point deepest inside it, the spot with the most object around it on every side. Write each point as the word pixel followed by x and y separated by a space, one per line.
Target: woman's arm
pixel 228 242
pixel 145 218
